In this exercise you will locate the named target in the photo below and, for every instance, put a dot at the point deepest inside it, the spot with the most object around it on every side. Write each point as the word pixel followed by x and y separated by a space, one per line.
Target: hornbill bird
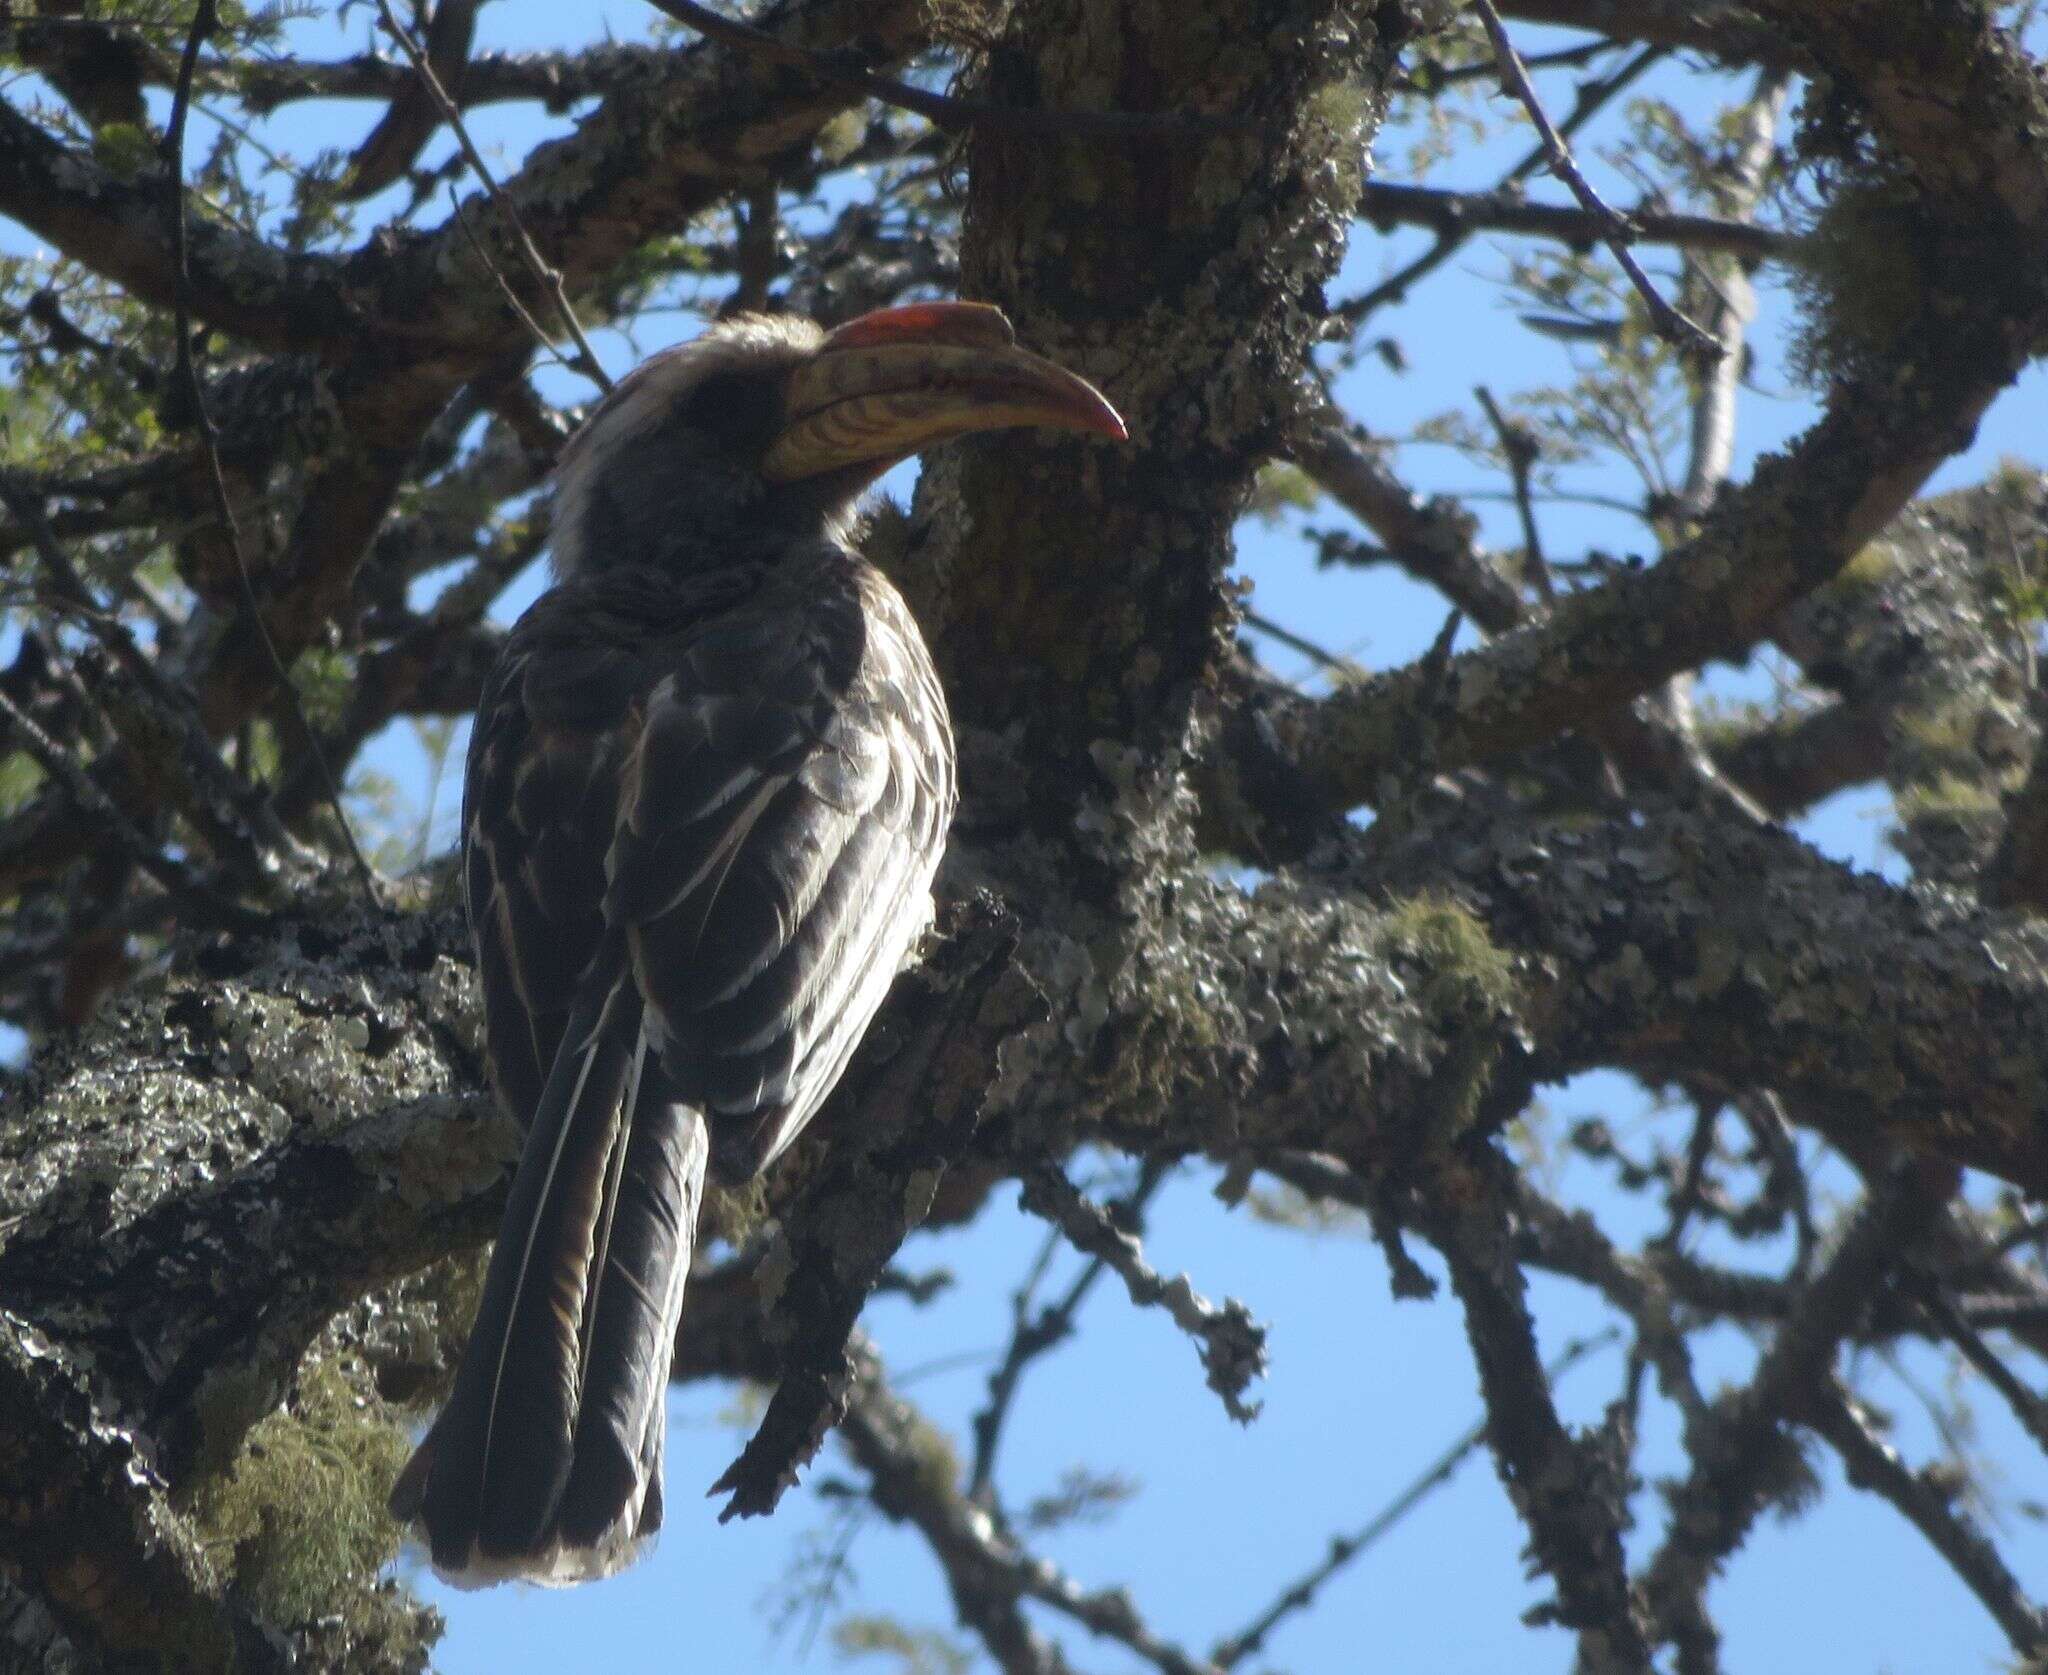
pixel 708 786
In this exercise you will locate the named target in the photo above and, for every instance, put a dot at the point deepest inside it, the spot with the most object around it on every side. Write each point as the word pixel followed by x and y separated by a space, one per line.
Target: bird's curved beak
pixel 890 383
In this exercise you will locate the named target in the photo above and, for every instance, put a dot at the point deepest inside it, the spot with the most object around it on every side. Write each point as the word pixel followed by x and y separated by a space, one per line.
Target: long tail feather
pixel 546 1462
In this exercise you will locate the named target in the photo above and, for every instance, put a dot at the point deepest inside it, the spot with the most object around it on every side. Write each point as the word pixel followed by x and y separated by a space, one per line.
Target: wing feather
pixel 760 974
pixel 753 782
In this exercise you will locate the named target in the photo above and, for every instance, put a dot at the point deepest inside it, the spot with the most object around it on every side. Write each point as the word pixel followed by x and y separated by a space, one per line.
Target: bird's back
pixel 751 769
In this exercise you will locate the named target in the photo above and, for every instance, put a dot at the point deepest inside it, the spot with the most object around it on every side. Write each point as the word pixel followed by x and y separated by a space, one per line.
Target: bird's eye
pixel 740 407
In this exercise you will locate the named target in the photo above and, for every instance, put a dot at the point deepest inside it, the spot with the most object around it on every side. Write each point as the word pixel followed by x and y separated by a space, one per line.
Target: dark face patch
pixel 742 409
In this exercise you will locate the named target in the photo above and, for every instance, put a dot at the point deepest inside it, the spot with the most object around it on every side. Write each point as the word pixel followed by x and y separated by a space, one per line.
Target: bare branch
pixel 1032 1336
pixel 1434 540
pixel 548 278
pixel 938 109
pixel 1568 1489
pixel 987 1571
pixel 1593 97
pixel 418 107
pixel 1460 214
pixel 1744 1457
pixel 1670 324
pixel 1873 1464
pixel 1299 1595
pixel 1520 448
pixel 1232 1343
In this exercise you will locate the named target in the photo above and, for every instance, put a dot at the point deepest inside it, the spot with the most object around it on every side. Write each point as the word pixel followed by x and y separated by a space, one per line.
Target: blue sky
pixel 1363 1392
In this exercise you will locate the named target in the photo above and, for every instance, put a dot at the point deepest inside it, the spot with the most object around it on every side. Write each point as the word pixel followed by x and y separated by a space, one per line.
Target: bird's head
pixel 769 427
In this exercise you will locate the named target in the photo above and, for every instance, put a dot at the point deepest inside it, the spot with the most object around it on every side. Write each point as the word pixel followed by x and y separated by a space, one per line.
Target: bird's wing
pixel 700 824
pixel 540 801
pixel 754 782
pixel 781 815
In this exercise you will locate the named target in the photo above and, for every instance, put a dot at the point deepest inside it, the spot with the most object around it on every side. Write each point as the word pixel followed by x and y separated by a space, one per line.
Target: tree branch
pixel 1669 322
pixel 1392 203
pixel 1874 1465
pixel 122 228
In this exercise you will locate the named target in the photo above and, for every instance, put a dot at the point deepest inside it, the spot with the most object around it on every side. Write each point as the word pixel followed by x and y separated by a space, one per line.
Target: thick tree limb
pixel 1791 528
pixel 1666 942
pixel 121 227
pixel 1718 28
pixel 1790 763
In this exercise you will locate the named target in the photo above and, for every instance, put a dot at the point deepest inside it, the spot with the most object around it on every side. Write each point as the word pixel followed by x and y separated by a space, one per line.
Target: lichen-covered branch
pixel 1565 1487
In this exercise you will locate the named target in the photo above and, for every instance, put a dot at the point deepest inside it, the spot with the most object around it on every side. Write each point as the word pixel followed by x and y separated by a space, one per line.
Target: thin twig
pixel 941 111
pixel 1233 1344
pixel 483 256
pixel 1430 76
pixel 1034 1336
pixel 989 1571
pixel 1671 325
pixel 1593 96
pixel 2028 1408
pixel 546 276
pixel 1342 666
pixel 1388 203
pixel 1519 445
pixel 1300 1594
pixel 181 886
pixel 1029 1339
pixel 1433 540
pixel 204 21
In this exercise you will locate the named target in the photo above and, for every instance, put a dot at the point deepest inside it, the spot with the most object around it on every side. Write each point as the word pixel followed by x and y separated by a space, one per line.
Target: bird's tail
pixel 546 1463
